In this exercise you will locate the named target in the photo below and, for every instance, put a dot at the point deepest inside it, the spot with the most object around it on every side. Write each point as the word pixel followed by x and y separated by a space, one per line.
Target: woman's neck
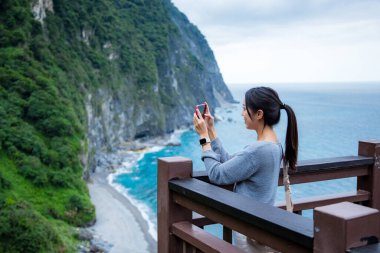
pixel 266 134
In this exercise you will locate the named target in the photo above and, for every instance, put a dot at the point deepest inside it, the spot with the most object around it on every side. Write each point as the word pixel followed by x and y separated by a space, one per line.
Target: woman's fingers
pixel 207 115
pixel 198 113
pixel 196 119
pixel 207 110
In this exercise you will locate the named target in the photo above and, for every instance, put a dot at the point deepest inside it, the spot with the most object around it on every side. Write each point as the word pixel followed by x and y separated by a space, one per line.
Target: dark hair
pixel 267 100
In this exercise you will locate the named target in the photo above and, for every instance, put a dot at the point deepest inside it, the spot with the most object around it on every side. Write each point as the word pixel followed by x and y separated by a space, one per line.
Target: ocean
pixel 332 118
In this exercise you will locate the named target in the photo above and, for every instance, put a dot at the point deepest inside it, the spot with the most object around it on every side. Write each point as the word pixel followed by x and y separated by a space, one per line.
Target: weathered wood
pixel 313 202
pixel 200 175
pixel 272 226
pixel 371 182
pixel 321 169
pixel 201 221
pixel 277 228
pixel 227 234
pixel 329 168
pixel 340 227
pixel 368 148
pixel 332 163
pixel 259 235
pixel 202 240
pixel 327 174
pixel 167 211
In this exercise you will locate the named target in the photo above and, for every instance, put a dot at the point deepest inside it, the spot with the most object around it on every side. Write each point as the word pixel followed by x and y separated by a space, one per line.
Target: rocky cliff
pixel 186 74
pixel 78 79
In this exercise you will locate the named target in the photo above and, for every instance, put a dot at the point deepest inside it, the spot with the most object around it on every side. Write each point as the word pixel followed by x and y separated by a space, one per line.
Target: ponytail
pixel 267 99
pixel 291 141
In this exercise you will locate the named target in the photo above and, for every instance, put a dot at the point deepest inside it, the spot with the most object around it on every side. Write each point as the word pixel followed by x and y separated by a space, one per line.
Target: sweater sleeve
pixel 217 147
pixel 240 167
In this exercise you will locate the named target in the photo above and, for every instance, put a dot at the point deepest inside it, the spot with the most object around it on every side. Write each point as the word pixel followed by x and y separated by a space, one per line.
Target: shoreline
pixel 118 221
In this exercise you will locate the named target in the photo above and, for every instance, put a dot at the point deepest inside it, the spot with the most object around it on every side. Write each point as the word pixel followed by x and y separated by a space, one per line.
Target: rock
pixel 84 235
pixel 100 246
pixel 173 144
pixel 95 248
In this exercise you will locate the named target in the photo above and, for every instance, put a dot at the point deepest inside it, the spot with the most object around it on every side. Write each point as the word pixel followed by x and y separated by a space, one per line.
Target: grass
pixel 47 201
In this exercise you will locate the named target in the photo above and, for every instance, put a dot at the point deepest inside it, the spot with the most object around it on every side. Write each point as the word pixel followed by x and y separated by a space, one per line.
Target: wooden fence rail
pixel 337 227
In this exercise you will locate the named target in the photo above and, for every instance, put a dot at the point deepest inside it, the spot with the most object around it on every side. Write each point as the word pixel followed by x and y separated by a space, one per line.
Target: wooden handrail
pixel 183 192
pixel 320 169
pixel 312 202
pixel 202 240
pixel 282 224
pixel 303 204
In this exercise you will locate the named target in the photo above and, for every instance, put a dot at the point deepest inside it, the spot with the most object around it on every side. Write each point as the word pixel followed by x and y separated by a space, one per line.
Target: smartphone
pixel 202 109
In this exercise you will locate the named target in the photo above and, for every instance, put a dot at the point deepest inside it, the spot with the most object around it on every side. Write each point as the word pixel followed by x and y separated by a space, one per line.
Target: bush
pixel 75 203
pixel 78 211
pixel 24 138
pixel 4 183
pixel 23 230
pixel 58 179
pixel 32 169
pixel 50 115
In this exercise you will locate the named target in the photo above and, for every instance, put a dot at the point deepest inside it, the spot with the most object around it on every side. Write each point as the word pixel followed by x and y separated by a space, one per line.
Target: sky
pixel 278 41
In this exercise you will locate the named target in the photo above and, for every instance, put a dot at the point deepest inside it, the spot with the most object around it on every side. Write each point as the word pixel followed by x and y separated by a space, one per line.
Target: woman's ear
pixel 260 114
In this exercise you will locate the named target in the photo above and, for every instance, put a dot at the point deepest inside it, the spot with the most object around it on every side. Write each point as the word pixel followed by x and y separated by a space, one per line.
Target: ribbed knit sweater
pixel 254 170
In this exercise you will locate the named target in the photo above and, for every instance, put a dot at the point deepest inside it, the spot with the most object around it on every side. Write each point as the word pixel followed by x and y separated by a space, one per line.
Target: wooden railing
pixel 187 202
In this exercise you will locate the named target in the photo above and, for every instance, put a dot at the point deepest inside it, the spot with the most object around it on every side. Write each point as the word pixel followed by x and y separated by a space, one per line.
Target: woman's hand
pixel 209 119
pixel 200 124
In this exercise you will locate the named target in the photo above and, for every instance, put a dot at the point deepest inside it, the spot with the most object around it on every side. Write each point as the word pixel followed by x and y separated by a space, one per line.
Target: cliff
pixel 79 78
pixel 185 73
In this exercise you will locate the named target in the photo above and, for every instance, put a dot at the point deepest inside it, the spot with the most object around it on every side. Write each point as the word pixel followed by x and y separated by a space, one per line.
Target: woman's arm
pixel 207 130
pixel 217 147
pixel 240 167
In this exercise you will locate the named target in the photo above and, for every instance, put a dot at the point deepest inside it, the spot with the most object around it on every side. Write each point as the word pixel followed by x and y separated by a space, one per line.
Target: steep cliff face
pixel 39 8
pixel 186 74
pixel 78 79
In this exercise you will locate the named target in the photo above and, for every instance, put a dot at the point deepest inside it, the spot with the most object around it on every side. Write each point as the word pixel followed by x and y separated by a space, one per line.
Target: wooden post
pixel 169 212
pixel 340 227
pixel 371 183
pixel 227 234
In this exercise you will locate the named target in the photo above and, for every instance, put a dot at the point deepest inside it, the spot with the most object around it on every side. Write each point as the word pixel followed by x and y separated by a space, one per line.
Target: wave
pixel 145 211
pixel 127 166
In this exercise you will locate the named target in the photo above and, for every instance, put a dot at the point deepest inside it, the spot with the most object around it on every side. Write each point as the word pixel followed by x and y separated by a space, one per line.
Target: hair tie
pixel 283 106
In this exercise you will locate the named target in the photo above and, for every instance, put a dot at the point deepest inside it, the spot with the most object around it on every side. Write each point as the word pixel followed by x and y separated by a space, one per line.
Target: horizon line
pixel 303 82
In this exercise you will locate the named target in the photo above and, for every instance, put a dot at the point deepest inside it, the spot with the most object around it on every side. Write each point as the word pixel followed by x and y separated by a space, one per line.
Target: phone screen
pixel 202 109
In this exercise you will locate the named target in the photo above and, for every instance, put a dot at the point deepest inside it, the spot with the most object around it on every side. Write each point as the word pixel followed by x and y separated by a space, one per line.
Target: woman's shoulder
pixel 263 146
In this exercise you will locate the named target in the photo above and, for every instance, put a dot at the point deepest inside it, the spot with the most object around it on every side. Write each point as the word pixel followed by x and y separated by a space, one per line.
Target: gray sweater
pixel 254 170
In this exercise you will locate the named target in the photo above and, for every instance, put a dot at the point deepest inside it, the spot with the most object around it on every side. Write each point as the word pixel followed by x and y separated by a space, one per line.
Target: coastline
pixel 118 221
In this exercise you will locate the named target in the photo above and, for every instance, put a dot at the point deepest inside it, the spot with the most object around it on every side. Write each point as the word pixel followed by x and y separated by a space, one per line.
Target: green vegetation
pixel 45 73
pixel 48 70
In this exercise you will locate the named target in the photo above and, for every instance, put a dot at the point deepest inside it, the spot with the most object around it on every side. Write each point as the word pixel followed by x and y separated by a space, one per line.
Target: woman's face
pixel 249 123
pixel 252 122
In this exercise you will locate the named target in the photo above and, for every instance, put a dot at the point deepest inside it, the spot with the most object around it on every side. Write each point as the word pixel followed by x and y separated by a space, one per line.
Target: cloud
pixel 282 41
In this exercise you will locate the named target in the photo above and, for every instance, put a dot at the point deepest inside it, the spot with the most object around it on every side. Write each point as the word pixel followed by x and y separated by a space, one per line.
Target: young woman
pixel 255 169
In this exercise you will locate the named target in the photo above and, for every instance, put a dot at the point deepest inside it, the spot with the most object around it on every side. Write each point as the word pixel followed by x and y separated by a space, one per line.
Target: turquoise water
pixel 330 121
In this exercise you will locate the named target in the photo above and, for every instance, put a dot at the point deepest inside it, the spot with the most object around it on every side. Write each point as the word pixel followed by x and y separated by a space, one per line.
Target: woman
pixel 255 169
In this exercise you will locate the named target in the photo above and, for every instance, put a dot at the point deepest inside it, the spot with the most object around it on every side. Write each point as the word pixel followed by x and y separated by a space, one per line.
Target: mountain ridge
pixel 78 79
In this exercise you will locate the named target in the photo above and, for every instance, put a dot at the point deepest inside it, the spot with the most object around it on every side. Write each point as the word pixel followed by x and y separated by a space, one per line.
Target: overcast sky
pixel 290 41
